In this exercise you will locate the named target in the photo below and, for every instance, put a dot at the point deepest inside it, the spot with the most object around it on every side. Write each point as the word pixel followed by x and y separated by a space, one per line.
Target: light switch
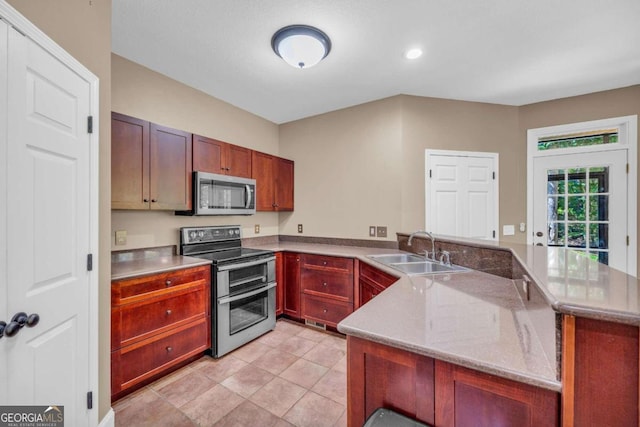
pixel 508 230
pixel 372 231
pixel 381 231
pixel 121 237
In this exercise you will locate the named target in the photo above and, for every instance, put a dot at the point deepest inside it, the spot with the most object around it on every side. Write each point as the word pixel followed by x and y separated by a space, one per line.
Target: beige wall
pixel 142 93
pixel 347 171
pixel 83 28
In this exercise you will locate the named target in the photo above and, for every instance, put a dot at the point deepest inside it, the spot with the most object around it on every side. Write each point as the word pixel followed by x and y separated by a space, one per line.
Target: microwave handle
pixel 248 188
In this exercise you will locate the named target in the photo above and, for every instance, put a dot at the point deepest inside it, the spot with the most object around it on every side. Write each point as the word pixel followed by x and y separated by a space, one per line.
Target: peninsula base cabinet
pixel 439 393
pixel 158 323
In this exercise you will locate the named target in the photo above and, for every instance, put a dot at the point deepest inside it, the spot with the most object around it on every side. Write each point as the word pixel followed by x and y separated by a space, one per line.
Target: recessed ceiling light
pixel 413 53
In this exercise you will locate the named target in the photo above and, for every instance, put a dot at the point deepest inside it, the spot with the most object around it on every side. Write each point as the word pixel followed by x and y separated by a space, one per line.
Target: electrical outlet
pixel 299 228
pixel 381 231
pixel 256 229
pixel 372 231
pixel 121 237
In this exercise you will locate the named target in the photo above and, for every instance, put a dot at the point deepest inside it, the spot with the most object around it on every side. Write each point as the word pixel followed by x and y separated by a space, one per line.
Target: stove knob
pixel 192 235
pixel 201 234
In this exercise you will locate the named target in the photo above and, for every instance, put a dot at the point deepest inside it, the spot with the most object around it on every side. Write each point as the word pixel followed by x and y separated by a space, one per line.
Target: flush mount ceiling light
pixel 301 46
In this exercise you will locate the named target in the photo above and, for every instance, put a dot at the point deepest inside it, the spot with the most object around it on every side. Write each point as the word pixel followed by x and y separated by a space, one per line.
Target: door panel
pixel 47 220
pixel 461 194
pixel 580 202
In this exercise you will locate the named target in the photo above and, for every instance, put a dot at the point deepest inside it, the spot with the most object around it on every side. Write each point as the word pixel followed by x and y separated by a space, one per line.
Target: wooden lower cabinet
pixel 371 282
pixel 465 397
pixel 600 373
pixel 439 393
pixel 158 322
pixel 291 305
pixel 280 284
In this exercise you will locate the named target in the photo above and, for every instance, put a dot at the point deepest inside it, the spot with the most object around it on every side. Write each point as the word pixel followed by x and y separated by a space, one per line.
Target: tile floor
pixel 292 376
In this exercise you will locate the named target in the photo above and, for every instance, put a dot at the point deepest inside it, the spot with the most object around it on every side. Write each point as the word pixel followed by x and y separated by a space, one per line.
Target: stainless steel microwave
pixel 215 194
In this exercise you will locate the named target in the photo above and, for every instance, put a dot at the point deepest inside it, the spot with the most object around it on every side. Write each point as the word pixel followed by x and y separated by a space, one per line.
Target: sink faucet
pixel 433 244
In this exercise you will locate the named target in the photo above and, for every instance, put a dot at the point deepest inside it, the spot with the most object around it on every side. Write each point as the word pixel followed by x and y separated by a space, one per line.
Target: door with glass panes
pixel 580 202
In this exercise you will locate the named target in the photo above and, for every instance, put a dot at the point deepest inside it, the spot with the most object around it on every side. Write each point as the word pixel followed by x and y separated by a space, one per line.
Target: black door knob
pixel 18 321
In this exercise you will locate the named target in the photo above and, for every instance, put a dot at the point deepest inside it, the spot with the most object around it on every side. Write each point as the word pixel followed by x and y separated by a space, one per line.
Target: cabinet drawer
pixel 130 290
pixel 133 322
pixel 325 310
pixel 135 363
pixel 377 276
pixel 328 283
pixel 331 263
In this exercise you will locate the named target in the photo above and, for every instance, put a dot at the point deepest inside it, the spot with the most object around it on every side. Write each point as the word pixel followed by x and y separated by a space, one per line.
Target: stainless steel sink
pixel 397 258
pixel 417 268
pixel 414 265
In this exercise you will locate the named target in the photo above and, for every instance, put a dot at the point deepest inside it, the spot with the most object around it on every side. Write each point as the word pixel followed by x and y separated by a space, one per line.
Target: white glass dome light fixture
pixel 301 46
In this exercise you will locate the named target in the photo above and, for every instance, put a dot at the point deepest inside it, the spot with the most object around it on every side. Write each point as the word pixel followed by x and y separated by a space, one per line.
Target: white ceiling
pixel 512 52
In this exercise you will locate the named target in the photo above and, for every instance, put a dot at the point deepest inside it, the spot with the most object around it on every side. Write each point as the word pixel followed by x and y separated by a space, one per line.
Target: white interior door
pixel 45 230
pixel 580 202
pixel 462 194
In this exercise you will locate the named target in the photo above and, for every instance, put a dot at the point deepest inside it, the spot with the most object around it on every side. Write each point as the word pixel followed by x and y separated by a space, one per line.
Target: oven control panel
pixel 209 234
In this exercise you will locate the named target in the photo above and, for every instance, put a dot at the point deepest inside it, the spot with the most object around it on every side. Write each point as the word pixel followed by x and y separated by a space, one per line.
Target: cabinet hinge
pixel 627 167
pixel 90 262
pixel 90 124
pixel 430 173
pixel 90 400
pixel 494 234
pixel 627 240
pixel 494 175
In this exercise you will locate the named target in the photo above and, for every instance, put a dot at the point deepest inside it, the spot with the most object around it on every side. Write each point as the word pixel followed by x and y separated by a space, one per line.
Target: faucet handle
pixel 445 255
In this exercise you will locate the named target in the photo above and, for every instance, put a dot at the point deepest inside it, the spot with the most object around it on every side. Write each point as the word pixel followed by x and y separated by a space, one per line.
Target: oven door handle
pixel 232 267
pixel 227 300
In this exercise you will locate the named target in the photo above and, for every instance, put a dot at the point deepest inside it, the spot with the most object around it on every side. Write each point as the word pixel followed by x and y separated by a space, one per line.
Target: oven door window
pixel 246 279
pixel 246 312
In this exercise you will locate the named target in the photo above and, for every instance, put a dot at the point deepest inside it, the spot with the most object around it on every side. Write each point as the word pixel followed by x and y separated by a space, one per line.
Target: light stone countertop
pixel 473 319
pixel 159 264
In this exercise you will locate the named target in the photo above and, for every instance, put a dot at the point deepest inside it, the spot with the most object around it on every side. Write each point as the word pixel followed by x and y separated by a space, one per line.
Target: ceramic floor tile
pixel 212 406
pixel 312 334
pixel 342 421
pixel 289 328
pixel 277 396
pixel 284 423
pixel 150 409
pixel 341 365
pixel 324 355
pixel 248 414
pixel 334 386
pixel 304 373
pixel 335 341
pixel 275 361
pixel 171 377
pixel 296 345
pixel 185 388
pixel 313 410
pixel 251 351
pixel 273 338
pixel 247 380
pixel 221 369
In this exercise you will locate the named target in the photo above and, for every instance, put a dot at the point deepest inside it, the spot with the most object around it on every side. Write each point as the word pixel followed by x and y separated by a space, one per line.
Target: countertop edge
pixel 190 262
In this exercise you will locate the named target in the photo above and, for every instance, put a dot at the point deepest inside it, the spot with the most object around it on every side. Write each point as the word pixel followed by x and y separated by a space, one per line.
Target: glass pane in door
pixel 578 210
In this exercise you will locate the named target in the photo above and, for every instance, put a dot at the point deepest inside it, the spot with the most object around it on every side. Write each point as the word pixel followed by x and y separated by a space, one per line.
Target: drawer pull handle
pixel 169 312
pixel 168 283
pixel 169 349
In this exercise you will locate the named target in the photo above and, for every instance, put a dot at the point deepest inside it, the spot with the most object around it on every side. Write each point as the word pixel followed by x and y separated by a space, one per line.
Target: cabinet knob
pixel 153 200
pixel 169 312
pixel 145 200
pixel 169 349
pixel 324 310
pixel 168 283
pixel 324 262
pixel 324 283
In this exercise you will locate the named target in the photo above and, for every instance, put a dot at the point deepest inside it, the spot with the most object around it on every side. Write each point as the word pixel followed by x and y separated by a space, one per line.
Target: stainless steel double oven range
pixel 243 285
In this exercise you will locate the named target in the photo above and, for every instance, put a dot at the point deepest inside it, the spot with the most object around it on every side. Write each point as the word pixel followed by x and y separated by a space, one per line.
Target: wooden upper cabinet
pixel 274 182
pixel 129 162
pixel 170 171
pixel 211 155
pixel 150 165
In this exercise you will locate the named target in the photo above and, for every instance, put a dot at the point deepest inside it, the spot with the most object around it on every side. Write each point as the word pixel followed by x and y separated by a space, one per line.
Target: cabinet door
pixel 292 285
pixel 208 155
pixel 170 168
pixel 469 398
pixel 284 185
pixel 129 162
pixel 239 161
pixel 262 172
pixel 280 282
pixel 368 290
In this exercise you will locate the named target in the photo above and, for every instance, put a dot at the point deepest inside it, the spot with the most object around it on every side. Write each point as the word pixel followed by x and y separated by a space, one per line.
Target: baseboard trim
pixel 109 420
